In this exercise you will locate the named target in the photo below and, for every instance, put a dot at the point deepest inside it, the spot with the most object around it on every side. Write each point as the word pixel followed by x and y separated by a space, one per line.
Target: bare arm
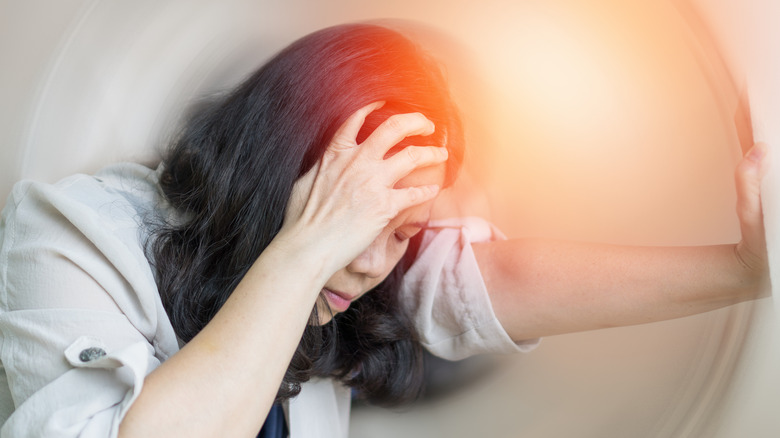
pixel 541 288
pixel 223 382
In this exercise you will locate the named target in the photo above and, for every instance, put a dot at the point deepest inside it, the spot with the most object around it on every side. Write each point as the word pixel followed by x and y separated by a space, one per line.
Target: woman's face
pixel 373 265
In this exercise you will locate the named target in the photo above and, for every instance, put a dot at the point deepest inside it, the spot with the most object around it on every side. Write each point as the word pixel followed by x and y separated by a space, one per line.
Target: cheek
pixel 393 250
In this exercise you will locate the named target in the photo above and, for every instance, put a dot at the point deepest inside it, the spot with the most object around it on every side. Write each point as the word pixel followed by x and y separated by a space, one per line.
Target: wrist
pixel 293 247
pixel 753 272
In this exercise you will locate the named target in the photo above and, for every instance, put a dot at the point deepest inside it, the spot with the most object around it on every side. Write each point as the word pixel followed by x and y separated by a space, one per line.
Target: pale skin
pixel 348 225
pixel 540 288
pixel 223 382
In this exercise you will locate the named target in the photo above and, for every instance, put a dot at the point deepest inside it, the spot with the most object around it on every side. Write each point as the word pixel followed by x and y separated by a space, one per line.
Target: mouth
pixel 339 301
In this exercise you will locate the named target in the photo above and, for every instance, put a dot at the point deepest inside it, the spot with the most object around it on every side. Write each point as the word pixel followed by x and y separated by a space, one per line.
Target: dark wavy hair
pixel 230 172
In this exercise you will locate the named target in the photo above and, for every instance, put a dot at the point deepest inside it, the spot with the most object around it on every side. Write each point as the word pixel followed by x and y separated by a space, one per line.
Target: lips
pixel 338 301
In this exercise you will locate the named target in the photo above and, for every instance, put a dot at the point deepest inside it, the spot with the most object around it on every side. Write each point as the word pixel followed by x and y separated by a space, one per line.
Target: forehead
pixel 431 175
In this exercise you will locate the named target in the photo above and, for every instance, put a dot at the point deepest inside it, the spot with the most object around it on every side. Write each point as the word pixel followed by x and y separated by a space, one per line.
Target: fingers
pixel 411 196
pixel 342 153
pixel 748 179
pixel 394 129
pixel 756 155
pixel 751 251
pixel 347 133
pixel 388 134
pixel 413 157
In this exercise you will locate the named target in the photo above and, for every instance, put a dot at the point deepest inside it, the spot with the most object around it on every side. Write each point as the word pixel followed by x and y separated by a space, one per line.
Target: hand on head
pixel 350 196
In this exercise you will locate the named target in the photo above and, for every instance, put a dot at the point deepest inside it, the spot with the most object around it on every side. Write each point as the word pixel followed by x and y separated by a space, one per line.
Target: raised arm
pixel 541 288
pixel 223 382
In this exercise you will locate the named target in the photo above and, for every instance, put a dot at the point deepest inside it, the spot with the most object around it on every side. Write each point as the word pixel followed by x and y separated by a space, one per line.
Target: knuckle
pixel 412 194
pixel 413 154
pixel 406 123
pixel 390 212
pixel 339 143
pixel 415 195
pixel 395 123
pixel 329 154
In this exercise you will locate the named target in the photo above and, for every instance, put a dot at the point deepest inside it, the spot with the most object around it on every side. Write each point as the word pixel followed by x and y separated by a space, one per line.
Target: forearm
pixel 223 382
pixel 541 288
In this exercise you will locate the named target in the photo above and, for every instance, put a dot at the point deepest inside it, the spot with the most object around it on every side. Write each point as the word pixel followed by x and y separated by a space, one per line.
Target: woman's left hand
pixel 542 287
pixel 342 204
pixel 751 250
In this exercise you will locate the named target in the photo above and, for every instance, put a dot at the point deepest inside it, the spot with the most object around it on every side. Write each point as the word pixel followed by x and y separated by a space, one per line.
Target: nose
pixel 371 262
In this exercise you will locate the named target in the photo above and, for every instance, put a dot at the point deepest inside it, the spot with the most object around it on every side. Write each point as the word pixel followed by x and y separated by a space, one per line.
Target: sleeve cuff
pixel 445 294
pixel 91 399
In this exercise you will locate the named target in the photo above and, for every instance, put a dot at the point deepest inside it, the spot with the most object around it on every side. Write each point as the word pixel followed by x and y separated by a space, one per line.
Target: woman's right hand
pixel 342 204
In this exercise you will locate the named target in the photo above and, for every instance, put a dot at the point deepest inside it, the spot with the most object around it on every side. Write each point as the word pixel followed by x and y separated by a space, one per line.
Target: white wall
pixel 749 38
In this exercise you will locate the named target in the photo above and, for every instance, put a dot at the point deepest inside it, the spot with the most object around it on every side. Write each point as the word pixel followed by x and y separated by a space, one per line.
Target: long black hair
pixel 230 173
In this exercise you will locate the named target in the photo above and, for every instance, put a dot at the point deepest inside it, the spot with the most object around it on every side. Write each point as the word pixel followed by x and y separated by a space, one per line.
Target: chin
pixel 324 318
pixel 324 313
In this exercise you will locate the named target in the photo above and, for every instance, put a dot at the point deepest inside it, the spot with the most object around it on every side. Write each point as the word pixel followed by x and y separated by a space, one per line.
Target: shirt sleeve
pixel 447 298
pixel 76 339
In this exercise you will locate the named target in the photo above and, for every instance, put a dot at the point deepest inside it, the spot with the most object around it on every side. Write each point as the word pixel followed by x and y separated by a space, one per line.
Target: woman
pixel 306 188
pixel 235 267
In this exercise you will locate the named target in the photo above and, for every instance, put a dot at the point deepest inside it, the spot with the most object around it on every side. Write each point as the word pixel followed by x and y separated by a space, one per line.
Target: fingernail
pixel 756 153
pixel 443 153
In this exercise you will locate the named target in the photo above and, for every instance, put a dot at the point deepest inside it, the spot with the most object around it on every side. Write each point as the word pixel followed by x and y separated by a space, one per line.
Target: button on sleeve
pixel 81 323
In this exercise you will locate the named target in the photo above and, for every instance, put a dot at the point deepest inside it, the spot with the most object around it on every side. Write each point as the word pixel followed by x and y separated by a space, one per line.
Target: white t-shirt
pixel 82 323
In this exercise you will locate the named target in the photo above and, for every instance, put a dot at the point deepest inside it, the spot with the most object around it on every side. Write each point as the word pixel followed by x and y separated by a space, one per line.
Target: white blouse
pixel 82 323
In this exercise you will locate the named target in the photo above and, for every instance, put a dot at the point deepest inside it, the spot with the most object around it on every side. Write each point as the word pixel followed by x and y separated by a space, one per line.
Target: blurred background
pixel 597 120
